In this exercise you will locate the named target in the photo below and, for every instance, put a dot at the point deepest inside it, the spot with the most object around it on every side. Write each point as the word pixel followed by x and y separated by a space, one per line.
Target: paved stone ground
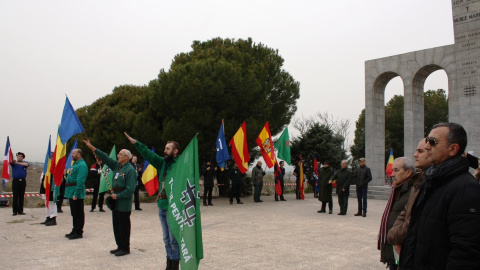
pixel 268 235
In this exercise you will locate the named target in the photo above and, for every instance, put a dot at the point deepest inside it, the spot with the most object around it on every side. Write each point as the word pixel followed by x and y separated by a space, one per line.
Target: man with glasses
pixel 444 229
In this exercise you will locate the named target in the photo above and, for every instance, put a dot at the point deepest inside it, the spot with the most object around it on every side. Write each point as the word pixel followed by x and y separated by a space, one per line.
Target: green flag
pixel 107 174
pixel 283 147
pixel 183 191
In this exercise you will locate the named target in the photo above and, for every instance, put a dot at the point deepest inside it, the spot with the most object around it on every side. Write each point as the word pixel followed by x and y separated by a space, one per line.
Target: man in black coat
pixel 363 176
pixel 344 178
pixel 208 172
pixel 444 229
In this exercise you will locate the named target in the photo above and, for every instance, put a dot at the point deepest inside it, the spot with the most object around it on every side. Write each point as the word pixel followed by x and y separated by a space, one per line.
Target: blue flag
pixel 222 150
pixel 69 159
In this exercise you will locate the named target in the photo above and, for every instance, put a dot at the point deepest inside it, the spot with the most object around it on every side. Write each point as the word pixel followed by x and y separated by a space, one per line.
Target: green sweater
pixel 126 178
pixel 77 174
pixel 163 168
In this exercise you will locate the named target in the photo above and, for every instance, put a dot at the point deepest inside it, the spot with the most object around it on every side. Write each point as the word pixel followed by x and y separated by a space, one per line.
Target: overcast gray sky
pixel 84 49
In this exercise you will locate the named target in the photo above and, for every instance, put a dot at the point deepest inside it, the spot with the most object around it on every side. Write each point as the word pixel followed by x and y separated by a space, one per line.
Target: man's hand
pixel 397 248
pixel 89 145
pixel 132 140
pixel 74 198
pixel 330 181
pixel 343 189
pixel 114 196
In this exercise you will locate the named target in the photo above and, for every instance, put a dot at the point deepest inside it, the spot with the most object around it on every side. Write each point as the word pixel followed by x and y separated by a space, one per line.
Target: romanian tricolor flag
pixel 240 149
pixel 264 141
pixel 150 177
pixel 389 170
pixel 46 172
pixel 69 126
pixel 7 159
pixel 301 188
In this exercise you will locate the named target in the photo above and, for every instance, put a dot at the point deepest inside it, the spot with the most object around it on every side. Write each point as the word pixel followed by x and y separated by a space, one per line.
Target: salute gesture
pixel 132 140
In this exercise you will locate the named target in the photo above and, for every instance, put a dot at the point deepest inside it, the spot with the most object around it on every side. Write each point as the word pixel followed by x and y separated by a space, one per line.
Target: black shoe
pixel 51 222
pixel 321 211
pixel 239 202
pixel 204 204
pixel 358 214
pixel 138 209
pixel 14 214
pixel 330 211
pixel 59 211
pixel 231 203
pixel 364 215
pixel 69 234
pixel 283 200
pixel 75 236
pixel 113 251
pixel 46 220
pixel 210 204
pixel 91 210
pixel 101 210
pixel 21 213
pixel 260 201
pixel 276 199
pixel 122 253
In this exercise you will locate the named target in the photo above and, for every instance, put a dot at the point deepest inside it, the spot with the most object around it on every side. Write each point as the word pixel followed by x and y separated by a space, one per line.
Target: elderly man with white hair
pixel 403 170
pixel 123 186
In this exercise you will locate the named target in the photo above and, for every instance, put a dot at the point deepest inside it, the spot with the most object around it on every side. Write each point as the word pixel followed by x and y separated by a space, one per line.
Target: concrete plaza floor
pixel 268 235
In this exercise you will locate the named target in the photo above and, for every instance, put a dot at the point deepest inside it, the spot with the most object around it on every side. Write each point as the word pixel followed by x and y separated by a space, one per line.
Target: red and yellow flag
pixel 301 188
pixel 150 177
pixel 47 175
pixel 59 160
pixel 240 148
pixel 389 169
pixel 264 141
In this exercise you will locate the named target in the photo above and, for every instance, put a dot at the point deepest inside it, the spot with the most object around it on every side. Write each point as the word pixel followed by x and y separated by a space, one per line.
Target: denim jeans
pixel 171 246
pixel 362 199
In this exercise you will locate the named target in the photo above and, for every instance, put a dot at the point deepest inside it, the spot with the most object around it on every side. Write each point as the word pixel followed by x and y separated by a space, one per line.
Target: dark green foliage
pixel 322 141
pixel 223 79
pixel 436 104
pixel 234 80
pixel 394 127
pixel 358 148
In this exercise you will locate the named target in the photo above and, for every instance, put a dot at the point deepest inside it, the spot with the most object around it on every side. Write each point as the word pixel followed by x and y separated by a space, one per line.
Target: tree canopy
pixel 319 140
pixel 234 80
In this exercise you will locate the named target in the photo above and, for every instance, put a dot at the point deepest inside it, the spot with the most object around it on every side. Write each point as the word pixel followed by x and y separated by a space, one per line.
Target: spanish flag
pixel 150 177
pixel 264 141
pixel 240 149
pixel 301 188
pixel 389 170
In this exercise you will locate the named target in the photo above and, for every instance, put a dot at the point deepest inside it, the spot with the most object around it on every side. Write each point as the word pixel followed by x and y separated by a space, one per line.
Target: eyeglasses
pixel 432 141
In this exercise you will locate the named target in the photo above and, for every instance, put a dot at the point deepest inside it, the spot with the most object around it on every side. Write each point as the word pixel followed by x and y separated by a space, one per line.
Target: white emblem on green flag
pixel 183 216
pixel 107 174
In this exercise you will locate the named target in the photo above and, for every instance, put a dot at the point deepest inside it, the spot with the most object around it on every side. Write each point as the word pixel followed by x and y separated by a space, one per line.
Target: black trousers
pixel 18 189
pixel 343 202
pixel 121 229
pixel 78 214
pixel 207 190
pixel 297 189
pixel 136 196
pixel 236 188
pixel 324 203
pixel 100 196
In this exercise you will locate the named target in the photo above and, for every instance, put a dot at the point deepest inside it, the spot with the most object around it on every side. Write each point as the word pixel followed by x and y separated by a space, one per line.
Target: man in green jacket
pixel 343 178
pixel 123 186
pixel 163 166
pixel 75 192
pixel 257 177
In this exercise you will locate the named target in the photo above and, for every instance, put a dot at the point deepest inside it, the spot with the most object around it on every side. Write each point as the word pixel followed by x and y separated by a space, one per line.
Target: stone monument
pixel 460 61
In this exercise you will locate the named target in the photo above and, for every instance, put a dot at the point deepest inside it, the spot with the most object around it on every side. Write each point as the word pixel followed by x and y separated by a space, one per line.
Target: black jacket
pixel 208 175
pixel 363 175
pixel 444 232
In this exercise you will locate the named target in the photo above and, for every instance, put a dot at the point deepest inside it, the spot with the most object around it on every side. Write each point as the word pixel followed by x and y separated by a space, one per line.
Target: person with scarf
pixel 402 171
pixel 444 228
